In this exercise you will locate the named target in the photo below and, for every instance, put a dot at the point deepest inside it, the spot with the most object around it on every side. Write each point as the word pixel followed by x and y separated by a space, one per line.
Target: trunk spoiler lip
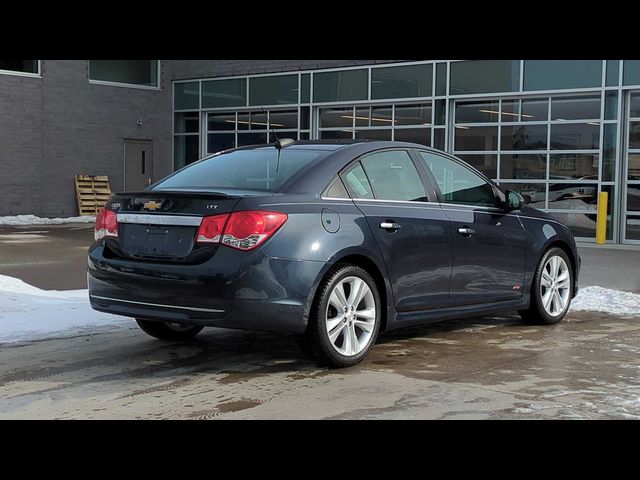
pixel 197 193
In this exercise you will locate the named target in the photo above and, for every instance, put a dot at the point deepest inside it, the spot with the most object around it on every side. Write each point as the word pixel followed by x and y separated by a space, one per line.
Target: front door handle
pixel 466 231
pixel 390 225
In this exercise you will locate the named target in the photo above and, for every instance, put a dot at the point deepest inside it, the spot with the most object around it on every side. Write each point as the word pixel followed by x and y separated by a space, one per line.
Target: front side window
pixel 393 176
pixel 457 183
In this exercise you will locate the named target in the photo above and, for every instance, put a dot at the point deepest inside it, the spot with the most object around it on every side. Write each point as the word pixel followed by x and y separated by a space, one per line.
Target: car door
pixel 489 244
pixel 412 232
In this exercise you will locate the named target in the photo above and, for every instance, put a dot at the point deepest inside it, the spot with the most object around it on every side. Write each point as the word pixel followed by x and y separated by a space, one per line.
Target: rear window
pixel 243 169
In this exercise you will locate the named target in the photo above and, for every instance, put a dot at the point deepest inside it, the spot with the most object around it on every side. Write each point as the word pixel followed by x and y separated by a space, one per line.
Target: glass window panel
pixel 634 166
pixel 611 105
pixel 221 121
pixel 633 228
pixel 340 86
pixel 356 181
pixel 575 136
pixel 517 166
pixel 457 183
pixel 575 108
pixel 283 119
pixel 510 111
pixel 336 117
pixel 253 138
pixel 484 76
pixel 634 110
pixel 572 166
pixel 252 121
pixel 393 176
pixel 610 189
pixel 613 71
pixel 273 90
pixel 363 116
pixel 609 151
pixel 336 190
pixel 487 163
pixel 24 66
pixel 476 138
pixel 631 72
pixel 186 95
pixel 524 137
pixel 187 122
pixel 558 74
pixel 413 114
pixel 413 135
pixel 378 134
pixel 305 95
pixel 381 116
pixel 303 135
pixel 634 134
pixel 633 198
pixel 535 110
pixel 335 134
pixel 131 72
pixel 402 82
pixel 441 79
pixel 573 196
pixel 440 112
pixel 477 112
pixel 438 138
pixel 533 193
pixel 217 142
pixel 305 117
pixel 224 93
pixel 185 150
pixel 581 224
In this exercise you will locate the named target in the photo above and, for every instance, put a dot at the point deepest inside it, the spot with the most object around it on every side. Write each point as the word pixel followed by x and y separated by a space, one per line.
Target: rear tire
pixel 345 318
pixel 168 331
pixel 552 289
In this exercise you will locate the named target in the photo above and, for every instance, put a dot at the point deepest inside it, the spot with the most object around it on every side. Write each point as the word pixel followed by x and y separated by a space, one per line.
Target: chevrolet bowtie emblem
pixel 152 205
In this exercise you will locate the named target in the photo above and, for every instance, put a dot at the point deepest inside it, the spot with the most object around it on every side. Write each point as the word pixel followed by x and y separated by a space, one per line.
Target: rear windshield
pixel 243 169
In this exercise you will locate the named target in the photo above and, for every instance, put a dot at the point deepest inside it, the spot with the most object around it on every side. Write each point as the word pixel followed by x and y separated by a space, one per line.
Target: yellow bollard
pixel 601 224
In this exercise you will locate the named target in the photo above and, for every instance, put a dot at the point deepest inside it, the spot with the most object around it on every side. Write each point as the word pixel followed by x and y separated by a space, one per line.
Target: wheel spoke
pixel 546 279
pixel 366 326
pixel 337 298
pixel 354 340
pixel 559 304
pixel 546 300
pixel 346 342
pixel 565 283
pixel 335 333
pixel 356 293
pixel 368 313
pixel 334 322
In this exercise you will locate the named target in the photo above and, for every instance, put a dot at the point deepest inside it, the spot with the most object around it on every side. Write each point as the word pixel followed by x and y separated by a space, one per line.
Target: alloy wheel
pixel 555 285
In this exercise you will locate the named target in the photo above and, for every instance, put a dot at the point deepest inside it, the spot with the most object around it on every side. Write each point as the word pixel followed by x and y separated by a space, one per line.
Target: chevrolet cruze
pixel 334 241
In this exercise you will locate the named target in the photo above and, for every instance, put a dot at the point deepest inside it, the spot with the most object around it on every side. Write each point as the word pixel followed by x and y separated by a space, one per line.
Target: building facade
pixel 558 131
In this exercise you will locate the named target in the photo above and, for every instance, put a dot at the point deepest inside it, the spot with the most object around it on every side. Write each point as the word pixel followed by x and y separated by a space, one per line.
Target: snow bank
pixel 599 299
pixel 33 220
pixel 29 313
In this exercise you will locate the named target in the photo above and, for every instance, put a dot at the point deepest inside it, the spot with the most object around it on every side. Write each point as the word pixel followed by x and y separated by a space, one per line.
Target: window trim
pixel 123 84
pixel 17 73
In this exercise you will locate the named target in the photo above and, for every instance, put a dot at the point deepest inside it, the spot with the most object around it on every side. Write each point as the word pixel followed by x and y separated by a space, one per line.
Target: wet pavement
pixel 588 366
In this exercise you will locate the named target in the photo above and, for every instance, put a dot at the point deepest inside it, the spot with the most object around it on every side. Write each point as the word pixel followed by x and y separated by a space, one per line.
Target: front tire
pixel 167 330
pixel 345 318
pixel 552 289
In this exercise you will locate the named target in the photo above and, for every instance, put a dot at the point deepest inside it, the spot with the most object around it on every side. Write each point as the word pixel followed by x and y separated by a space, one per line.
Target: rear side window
pixel 457 183
pixel 393 176
pixel 336 190
pixel 256 169
pixel 357 182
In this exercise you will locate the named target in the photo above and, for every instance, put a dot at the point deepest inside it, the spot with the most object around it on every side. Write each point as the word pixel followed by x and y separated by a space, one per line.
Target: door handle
pixel 390 225
pixel 466 231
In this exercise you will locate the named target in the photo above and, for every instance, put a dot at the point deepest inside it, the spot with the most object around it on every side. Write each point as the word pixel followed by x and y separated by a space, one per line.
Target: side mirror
pixel 514 200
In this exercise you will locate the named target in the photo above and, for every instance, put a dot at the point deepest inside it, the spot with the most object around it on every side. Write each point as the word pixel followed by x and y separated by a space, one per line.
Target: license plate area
pixel 156 241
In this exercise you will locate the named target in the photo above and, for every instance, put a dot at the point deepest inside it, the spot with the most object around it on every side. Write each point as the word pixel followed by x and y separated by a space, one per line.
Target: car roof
pixel 332 145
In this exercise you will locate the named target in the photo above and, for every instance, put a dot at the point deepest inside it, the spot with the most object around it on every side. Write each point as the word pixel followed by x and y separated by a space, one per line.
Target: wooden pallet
pixel 92 191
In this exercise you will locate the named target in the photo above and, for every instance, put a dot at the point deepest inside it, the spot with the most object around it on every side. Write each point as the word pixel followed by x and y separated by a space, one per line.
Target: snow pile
pixel 599 299
pixel 28 313
pixel 33 220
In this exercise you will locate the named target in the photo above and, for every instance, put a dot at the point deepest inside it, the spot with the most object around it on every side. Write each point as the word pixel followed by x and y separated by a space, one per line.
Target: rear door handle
pixel 466 231
pixel 390 225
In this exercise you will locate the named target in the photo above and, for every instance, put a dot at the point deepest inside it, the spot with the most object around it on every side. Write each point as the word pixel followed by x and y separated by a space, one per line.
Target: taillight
pixel 241 230
pixel 106 224
pixel 210 230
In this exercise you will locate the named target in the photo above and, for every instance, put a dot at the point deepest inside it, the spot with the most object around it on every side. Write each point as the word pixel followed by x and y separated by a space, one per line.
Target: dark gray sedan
pixel 331 240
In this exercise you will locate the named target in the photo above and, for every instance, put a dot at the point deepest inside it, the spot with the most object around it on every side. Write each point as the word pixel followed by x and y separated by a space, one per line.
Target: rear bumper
pixel 234 289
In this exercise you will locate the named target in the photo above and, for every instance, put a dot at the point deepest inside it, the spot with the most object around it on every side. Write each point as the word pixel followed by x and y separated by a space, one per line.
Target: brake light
pixel 210 230
pixel 106 224
pixel 241 230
